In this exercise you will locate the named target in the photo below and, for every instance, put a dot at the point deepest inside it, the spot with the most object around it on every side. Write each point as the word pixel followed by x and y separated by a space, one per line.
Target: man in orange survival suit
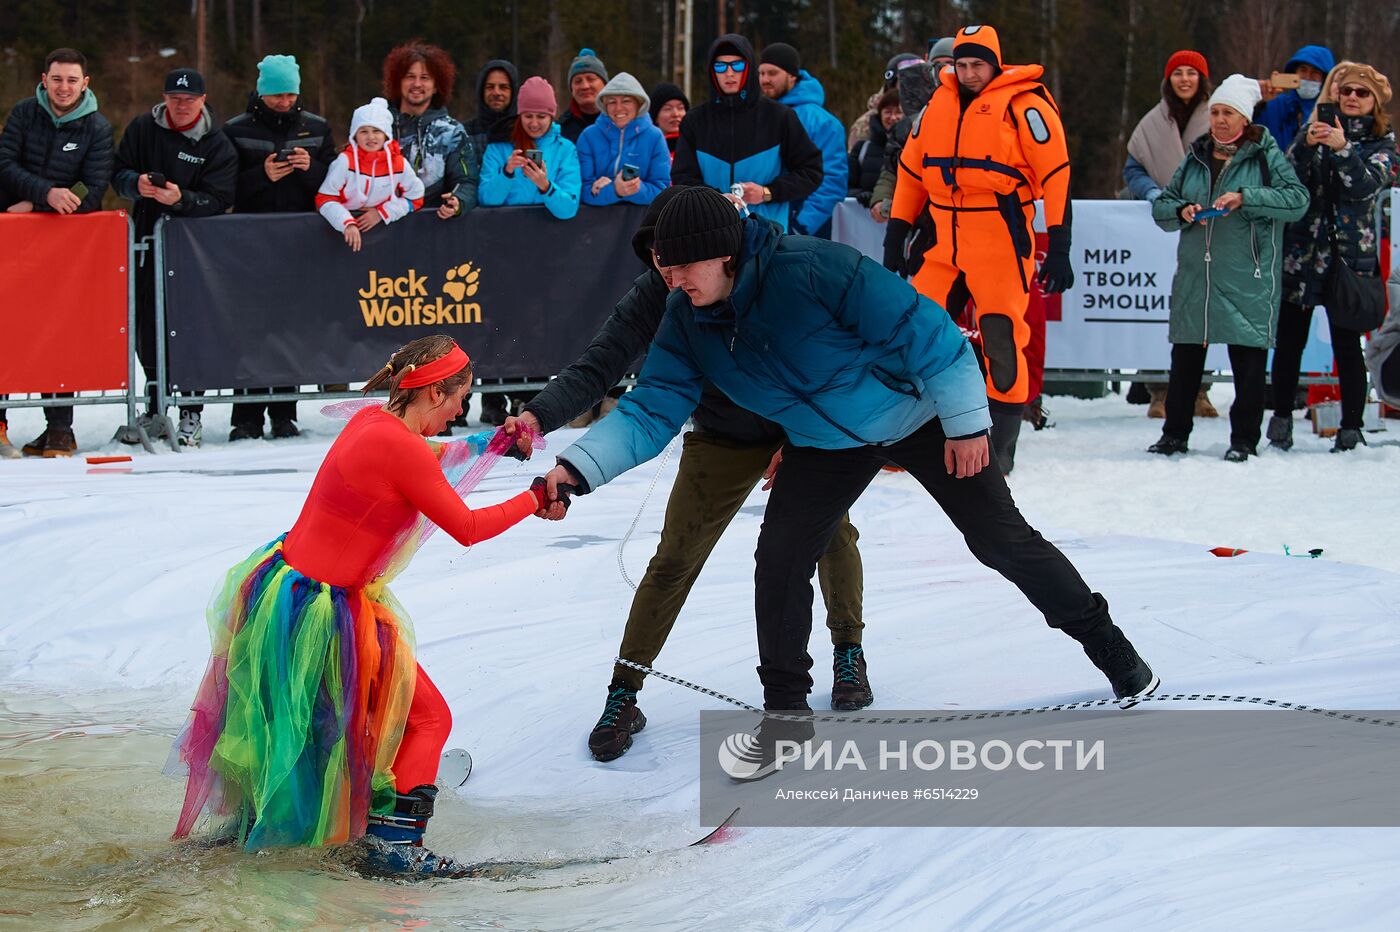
pixel 988 145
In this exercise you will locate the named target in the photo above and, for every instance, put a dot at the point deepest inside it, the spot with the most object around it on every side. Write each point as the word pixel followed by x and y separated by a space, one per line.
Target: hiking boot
pixel 7 449
pixel 1127 673
pixel 242 432
pixel 755 756
pixel 1280 432
pixel 1168 446
pixel 850 687
pixel 1348 438
pixel 393 842
pixel 1157 402
pixel 621 719
pixel 1238 453
pixel 53 443
pixel 282 429
pixel 191 430
pixel 1203 406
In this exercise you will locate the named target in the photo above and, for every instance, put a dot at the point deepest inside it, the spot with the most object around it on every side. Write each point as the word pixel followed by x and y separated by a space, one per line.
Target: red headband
pixel 445 366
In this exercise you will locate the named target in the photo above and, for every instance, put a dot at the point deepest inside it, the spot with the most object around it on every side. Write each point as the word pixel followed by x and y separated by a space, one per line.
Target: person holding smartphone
pixel 1229 198
pixel 538 165
pixel 1345 155
pixel 624 158
pixel 55 156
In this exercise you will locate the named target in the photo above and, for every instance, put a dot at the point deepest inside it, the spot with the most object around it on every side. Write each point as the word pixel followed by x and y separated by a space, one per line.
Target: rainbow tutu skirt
pixel 292 736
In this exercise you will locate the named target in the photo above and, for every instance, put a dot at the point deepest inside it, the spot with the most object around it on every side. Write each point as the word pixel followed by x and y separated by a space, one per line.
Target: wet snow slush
pixel 103 639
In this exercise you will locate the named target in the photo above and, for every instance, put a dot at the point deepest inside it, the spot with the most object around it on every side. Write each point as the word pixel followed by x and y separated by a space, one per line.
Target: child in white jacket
pixel 370 177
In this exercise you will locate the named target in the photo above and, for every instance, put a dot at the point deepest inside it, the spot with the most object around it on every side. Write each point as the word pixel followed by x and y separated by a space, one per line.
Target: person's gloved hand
pixel 1056 275
pixel 544 508
pixel 863 197
pixel 895 233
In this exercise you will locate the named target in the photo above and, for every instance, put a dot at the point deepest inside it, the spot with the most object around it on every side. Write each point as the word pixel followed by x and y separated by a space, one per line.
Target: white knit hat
pixel 1239 93
pixel 375 113
pixel 624 85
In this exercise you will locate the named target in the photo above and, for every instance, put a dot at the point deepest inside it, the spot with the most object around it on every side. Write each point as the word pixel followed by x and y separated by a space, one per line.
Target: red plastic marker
pixel 1227 551
pixel 99 460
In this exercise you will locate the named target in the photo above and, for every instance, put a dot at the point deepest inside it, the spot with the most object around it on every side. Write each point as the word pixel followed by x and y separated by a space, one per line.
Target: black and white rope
pixel 1013 713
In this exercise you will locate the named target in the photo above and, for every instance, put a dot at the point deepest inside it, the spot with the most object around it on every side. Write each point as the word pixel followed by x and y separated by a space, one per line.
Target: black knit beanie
pixel 698 224
pixel 784 56
pixel 646 233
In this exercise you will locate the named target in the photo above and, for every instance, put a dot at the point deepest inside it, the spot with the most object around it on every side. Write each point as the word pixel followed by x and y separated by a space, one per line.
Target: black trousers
pixel 247 414
pixel 58 416
pixel 1294 321
pixel 1249 365
pixel 815 488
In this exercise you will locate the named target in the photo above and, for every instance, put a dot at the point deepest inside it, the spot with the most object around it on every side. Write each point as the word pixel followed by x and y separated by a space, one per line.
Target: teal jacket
pixel 497 189
pixel 1229 274
pixel 816 337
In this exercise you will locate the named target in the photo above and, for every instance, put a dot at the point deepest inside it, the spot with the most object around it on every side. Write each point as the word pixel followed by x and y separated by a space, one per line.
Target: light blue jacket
pixel 603 149
pixel 497 189
pixel 808 100
pixel 838 351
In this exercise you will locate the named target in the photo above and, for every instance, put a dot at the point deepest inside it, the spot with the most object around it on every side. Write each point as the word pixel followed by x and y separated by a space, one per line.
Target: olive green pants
pixel 714 479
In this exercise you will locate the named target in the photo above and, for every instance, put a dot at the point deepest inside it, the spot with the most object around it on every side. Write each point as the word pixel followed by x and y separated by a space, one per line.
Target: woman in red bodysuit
pixel 314 724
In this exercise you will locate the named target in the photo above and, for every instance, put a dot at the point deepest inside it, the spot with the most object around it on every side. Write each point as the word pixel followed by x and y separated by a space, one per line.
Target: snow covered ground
pixel 108 574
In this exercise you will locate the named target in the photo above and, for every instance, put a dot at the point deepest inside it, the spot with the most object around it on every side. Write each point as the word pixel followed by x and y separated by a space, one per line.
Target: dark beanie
pixel 642 239
pixel 784 56
pixel 699 223
pixel 664 92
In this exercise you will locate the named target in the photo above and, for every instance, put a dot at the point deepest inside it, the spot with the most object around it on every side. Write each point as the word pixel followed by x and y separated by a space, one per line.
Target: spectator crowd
pixel 1274 185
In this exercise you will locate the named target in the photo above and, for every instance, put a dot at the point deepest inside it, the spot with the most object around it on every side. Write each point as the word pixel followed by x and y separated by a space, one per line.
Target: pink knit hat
pixel 537 96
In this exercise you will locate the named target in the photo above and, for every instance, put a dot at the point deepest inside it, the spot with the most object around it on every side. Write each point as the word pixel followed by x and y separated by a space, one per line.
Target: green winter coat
pixel 1229 273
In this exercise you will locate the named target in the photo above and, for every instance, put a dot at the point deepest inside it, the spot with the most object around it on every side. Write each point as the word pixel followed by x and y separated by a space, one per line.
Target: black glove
pixel 540 489
pixel 863 197
pixel 1056 275
pixel 896 231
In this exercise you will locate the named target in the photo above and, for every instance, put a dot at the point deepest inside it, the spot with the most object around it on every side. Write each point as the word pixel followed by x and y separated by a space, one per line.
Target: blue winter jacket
pixel 498 189
pixel 603 149
pixel 1284 115
pixel 838 351
pixel 808 100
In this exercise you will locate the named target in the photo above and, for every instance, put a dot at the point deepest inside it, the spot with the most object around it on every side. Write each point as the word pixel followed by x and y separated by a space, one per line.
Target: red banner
pixel 63 317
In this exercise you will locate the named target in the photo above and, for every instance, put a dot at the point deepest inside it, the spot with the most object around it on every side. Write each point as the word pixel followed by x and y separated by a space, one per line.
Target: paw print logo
pixel 462 282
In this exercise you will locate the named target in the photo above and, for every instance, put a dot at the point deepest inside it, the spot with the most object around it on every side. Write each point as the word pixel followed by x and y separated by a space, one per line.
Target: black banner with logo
pixel 259 300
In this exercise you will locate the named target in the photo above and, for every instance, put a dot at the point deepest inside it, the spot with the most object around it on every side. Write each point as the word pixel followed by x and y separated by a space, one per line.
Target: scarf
pixel 1160 145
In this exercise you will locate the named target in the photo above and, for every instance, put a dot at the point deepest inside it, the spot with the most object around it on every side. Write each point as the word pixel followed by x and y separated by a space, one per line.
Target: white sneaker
pixel 190 431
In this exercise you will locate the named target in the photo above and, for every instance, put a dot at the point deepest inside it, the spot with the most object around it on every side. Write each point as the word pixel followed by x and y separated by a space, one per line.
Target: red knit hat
pixel 1188 58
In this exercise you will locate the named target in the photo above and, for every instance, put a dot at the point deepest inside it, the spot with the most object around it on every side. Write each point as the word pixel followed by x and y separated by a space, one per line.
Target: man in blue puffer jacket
pixel 859 369
pixel 1283 115
pixel 782 77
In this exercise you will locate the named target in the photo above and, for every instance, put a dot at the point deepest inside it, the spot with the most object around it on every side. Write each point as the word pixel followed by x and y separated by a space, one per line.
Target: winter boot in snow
pixel 621 719
pixel 759 756
pixel 1006 428
pixel 1280 432
pixel 1203 406
pixel 393 842
pixel 7 449
pixel 52 443
pixel 1127 673
pixel 190 431
pixel 1168 446
pixel 1238 453
pixel 1348 438
pixel 1157 405
pixel 850 687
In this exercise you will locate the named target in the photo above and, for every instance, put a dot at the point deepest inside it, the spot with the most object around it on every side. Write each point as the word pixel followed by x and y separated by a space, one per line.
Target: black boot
pixel 1006 429
pixel 1114 655
pixel 1168 446
pixel 757 757
pixel 621 719
pixel 1280 432
pixel 493 409
pixel 850 686
pixel 393 842
pixel 1348 438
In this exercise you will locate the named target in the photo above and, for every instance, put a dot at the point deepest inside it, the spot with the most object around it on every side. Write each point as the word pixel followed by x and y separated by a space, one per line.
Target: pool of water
pixel 86 814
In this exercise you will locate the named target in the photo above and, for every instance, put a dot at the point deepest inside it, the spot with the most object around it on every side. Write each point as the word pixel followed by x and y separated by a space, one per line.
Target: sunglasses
pixel 1360 93
pixel 739 66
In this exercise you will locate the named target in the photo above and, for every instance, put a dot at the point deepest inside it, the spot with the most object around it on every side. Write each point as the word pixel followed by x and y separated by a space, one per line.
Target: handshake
pixel 554 490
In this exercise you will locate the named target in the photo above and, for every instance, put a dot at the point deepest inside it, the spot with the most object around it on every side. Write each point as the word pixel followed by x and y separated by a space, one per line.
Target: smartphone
pixel 156 179
pixel 1210 213
pixel 536 156
pixel 1284 82
pixel 79 190
pixel 283 155
pixel 629 172
pixel 1327 113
